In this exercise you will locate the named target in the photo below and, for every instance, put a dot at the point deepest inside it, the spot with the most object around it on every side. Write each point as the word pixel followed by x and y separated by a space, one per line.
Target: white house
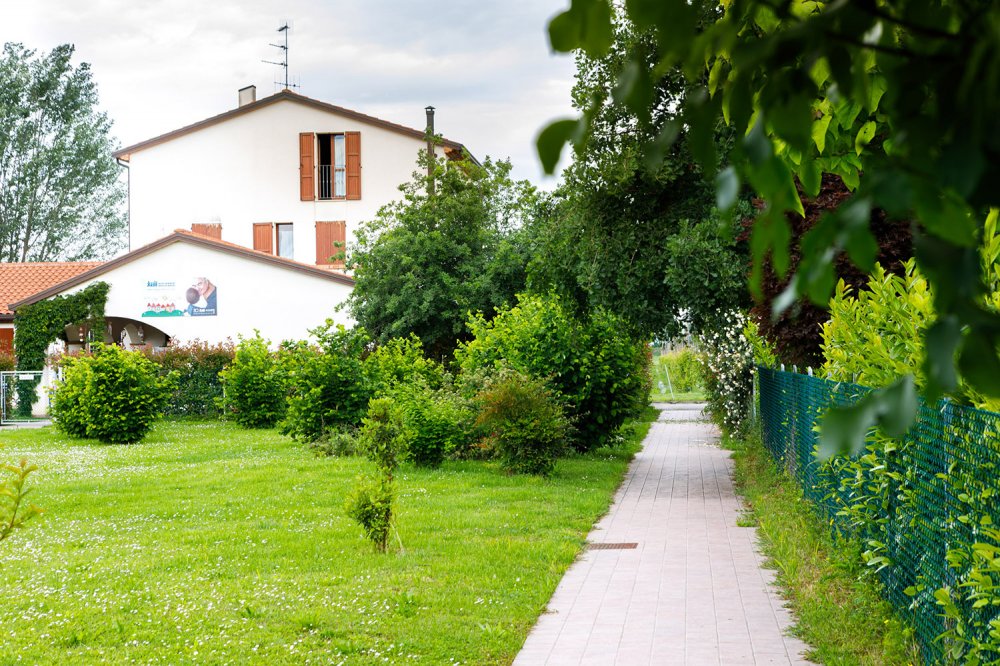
pixel 286 175
pixel 187 286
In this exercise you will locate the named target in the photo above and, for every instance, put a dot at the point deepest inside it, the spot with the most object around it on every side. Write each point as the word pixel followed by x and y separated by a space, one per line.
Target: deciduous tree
pixel 428 260
pixel 901 100
pixel 60 191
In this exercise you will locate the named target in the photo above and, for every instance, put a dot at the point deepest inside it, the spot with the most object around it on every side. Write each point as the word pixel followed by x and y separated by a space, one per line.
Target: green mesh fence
pixel 926 508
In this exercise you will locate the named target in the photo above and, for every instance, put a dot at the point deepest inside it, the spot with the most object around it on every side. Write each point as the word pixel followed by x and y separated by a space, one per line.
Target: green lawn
pixel 212 544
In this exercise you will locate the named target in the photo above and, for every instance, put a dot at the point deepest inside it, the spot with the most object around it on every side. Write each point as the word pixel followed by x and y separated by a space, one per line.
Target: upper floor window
pixel 268 236
pixel 329 166
pixel 286 247
pixel 332 166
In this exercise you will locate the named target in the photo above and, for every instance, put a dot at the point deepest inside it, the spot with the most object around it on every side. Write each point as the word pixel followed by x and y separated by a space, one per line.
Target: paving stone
pixel 692 592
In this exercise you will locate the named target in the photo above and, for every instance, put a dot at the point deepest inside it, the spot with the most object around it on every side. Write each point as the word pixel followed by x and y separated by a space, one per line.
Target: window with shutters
pixel 330 240
pixel 7 340
pixel 270 236
pixel 283 236
pixel 336 158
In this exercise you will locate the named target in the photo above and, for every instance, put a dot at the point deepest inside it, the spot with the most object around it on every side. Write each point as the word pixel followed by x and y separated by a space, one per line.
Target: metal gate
pixel 18 392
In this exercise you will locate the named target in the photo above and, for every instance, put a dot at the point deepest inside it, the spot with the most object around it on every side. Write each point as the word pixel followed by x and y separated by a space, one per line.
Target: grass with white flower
pixel 211 544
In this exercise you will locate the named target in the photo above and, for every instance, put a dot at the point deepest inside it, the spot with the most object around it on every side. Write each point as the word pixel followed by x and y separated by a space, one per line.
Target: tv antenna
pixel 284 29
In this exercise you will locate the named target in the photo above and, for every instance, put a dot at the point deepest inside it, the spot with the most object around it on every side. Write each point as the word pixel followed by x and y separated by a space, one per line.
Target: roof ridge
pixel 125 153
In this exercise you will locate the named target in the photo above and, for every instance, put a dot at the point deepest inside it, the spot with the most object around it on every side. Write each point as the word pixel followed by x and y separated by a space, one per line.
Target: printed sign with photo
pixel 164 298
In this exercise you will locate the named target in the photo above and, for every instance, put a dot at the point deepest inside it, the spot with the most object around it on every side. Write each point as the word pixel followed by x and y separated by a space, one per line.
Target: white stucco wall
pixel 283 304
pixel 246 170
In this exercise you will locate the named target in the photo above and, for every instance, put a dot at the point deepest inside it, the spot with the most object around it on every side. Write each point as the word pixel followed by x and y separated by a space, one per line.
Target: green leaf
pixel 940 342
pixel 811 177
pixel 701 114
pixel 896 407
pixel 864 136
pixel 585 25
pixel 727 188
pixel 792 120
pixel 635 89
pixel 757 145
pixel 978 360
pixel 818 131
pixel 844 429
pixel 551 140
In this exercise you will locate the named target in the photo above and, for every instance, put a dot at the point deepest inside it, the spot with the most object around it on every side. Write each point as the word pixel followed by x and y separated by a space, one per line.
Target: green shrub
pixel 593 366
pixel 383 435
pixel 382 439
pixel 338 442
pixel 684 368
pixel 329 385
pixel 14 511
pixel 728 356
pixel 875 337
pixel 370 504
pixel 67 404
pixel 401 361
pixel 113 395
pixel 196 366
pixel 525 422
pixel 255 386
pixel 438 423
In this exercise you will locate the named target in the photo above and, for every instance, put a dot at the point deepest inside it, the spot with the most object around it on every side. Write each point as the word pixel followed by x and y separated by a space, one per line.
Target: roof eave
pixel 181 237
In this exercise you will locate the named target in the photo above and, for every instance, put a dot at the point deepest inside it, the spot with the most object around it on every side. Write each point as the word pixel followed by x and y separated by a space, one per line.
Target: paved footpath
pixel 672 579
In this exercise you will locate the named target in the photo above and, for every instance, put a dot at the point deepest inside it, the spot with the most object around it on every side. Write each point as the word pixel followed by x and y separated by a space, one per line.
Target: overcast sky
pixel 485 65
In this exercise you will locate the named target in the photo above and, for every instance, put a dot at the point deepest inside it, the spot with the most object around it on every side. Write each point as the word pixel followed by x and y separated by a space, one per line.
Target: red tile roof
pixel 19 281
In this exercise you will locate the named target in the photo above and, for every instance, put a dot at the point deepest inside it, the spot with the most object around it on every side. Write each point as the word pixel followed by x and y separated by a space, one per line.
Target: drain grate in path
pixel 612 546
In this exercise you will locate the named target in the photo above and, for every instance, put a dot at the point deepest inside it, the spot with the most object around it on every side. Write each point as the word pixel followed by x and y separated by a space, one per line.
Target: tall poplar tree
pixel 61 193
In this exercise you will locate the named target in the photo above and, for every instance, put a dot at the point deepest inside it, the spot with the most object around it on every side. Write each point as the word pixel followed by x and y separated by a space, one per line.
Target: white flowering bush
pixel 728 360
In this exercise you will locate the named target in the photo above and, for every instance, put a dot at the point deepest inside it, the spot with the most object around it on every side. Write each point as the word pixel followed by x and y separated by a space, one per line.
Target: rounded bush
pixel 255 388
pixel 525 422
pixel 329 387
pixel 437 422
pixel 593 365
pixel 113 395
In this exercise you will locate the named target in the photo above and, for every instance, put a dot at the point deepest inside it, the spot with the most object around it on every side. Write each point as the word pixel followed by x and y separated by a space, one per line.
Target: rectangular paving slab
pixel 671 579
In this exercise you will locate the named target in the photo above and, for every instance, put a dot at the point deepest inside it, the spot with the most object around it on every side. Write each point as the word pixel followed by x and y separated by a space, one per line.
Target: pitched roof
pixel 182 236
pixel 19 281
pixel 452 148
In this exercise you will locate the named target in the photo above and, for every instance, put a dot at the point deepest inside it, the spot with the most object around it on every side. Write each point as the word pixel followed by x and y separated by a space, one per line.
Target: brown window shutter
pixel 353 149
pixel 330 237
pixel 210 230
pixel 307 186
pixel 7 340
pixel 263 237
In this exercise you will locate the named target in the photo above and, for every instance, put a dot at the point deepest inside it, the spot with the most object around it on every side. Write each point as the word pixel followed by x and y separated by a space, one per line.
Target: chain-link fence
pixel 925 508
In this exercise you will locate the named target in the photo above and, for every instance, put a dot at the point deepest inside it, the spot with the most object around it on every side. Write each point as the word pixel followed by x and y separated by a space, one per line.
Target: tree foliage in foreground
pixel 900 100
pixel 425 262
pixel 60 193
pixel 642 242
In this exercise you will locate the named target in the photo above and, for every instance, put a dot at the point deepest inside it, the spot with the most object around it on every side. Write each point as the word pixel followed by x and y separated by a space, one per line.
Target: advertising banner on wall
pixel 197 297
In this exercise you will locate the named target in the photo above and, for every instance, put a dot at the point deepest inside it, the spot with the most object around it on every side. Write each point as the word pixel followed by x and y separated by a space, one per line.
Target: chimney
pixel 248 95
pixel 430 149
